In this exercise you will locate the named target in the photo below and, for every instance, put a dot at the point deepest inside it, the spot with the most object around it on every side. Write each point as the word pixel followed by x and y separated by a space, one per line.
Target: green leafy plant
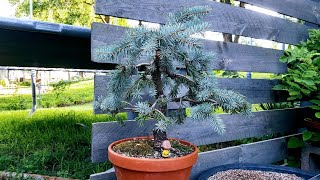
pixel 307 136
pixel 60 87
pixel 147 59
pixel 302 81
pixel 311 136
pixel 23 83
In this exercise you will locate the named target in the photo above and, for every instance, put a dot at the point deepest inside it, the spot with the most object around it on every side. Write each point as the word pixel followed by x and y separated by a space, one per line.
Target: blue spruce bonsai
pixel 148 61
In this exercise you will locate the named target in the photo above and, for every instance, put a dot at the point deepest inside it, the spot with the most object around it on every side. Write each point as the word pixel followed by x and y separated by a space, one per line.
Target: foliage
pixel 54 142
pixel 74 12
pixel 296 143
pixel 3 83
pixel 307 136
pixel 311 136
pixel 281 105
pixel 119 21
pixel 232 74
pixel 78 93
pixel 23 83
pixel 302 81
pixel 60 87
pixel 147 59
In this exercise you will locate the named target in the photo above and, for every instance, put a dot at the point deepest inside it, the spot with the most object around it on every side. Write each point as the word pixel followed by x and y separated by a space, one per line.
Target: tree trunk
pixel 159 136
pixel 81 73
pixel 226 36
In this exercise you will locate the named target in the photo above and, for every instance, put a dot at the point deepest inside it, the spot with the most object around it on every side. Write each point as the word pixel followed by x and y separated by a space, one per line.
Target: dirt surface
pixel 143 148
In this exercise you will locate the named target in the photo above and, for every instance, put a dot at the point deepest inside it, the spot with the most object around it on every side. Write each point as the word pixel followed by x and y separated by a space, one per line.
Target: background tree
pixel 228 38
pixel 73 12
pixel 13 2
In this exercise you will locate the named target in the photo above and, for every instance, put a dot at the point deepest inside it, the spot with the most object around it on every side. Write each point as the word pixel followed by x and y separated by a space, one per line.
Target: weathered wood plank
pixel 199 133
pixel 230 56
pixel 107 175
pixel 223 18
pixel 40 49
pixel 307 10
pixel 209 159
pixel 255 90
pixel 263 152
pixel 105 133
pixel 251 152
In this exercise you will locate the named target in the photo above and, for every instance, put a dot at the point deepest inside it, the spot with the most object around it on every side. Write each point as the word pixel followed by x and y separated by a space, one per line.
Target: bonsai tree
pixel 148 61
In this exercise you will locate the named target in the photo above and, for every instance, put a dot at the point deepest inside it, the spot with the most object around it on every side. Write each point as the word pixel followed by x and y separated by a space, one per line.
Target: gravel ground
pixel 239 174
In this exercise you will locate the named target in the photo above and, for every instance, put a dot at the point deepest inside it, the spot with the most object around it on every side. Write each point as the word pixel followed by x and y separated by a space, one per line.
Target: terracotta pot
pixel 312 125
pixel 130 168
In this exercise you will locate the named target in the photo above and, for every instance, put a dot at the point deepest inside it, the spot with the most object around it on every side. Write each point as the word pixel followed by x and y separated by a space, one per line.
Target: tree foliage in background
pixel 302 81
pixel 73 12
pixel 160 50
pixel 60 87
pixel 13 2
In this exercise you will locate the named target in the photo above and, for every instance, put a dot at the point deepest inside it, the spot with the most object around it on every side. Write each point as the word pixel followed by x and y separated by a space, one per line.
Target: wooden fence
pixel 231 56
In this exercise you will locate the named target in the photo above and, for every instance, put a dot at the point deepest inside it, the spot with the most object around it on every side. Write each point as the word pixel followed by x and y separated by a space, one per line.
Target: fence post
pixel 33 89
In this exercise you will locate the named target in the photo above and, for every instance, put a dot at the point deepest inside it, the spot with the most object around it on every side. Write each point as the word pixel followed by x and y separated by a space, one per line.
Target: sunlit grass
pixel 53 142
pixel 78 93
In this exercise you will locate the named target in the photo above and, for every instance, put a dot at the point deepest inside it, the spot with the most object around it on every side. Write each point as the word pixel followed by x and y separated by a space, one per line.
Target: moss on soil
pixel 134 148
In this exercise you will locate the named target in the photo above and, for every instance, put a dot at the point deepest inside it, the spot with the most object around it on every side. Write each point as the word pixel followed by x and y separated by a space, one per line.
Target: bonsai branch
pixel 179 76
pixel 144 64
pixel 196 101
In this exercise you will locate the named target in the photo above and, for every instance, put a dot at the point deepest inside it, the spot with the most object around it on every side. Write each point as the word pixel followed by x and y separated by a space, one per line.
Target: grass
pixel 254 75
pixel 53 142
pixel 78 93
pixel 87 106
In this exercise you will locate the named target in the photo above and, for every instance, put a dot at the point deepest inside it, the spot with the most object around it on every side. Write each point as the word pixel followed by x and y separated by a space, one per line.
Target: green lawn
pixel 53 141
pixel 78 93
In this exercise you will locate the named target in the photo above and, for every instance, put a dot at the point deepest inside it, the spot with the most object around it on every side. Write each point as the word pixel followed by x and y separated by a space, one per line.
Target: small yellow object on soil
pixel 165 153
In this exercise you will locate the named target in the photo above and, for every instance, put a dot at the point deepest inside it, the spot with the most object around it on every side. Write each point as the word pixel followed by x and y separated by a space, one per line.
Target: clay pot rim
pixel 151 159
pixel 152 165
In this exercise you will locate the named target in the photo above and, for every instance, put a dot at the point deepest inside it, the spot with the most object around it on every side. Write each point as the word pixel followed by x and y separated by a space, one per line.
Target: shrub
pixel 60 87
pixel 24 83
pixel 302 81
